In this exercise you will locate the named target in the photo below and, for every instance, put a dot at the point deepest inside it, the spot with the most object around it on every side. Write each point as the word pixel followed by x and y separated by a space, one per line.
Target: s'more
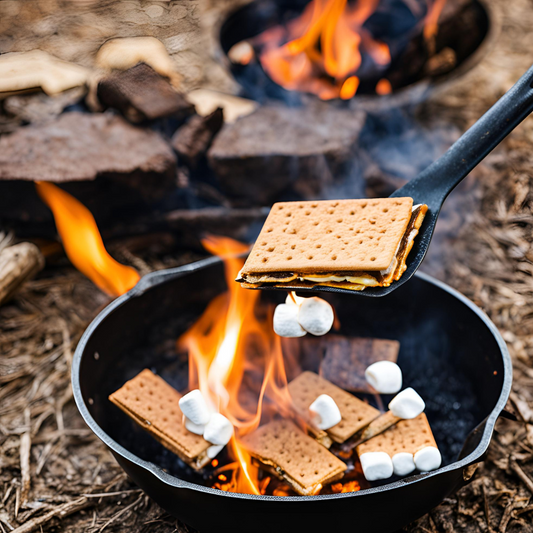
pixel 153 404
pixel 350 244
pixel 406 446
pixel 283 449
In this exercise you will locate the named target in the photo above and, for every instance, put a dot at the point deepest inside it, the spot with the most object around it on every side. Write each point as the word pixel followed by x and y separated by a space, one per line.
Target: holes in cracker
pixel 385 210
pixel 334 257
pixel 339 220
pixel 271 249
pixel 309 257
pixel 269 230
pixel 307 213
pixel 289 258
pixel 264 260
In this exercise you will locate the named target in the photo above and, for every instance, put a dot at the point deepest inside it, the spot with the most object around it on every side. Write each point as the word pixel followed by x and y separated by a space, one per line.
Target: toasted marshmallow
pixel 385 377
pixel 316 316
pixel 325 412
pixel 293 299
pixel 214 450
pixel 376 465
pixel 218 430
pixel 286 321
pixel 407 404
pixel 193 406
pixel 197 429
pixel 427 459
pixel 403 463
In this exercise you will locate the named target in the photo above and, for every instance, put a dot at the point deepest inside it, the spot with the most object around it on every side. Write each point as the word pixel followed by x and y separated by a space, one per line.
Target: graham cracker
pixel 407 436
pixel 330 236
pixel 293 456
pixel 347 358
pixel 356 414
pixel 151 402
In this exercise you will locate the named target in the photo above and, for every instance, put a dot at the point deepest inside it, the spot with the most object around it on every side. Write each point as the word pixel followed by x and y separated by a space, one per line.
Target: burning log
pixel 140 93
pixel 300 149
pixel 192 140
pixel 18 263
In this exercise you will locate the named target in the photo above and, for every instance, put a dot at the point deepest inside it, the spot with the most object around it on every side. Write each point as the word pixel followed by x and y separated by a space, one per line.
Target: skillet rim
pixel 155 278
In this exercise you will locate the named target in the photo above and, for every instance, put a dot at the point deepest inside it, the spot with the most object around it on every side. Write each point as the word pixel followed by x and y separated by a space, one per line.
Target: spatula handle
pixel 433 184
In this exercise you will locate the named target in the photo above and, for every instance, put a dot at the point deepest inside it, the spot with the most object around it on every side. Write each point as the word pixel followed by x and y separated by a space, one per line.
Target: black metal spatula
pixel 436 182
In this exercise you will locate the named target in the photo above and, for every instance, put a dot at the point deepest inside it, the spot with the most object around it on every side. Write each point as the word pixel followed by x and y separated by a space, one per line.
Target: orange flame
pixel 83 244
pixel 230 347
pixel 321 51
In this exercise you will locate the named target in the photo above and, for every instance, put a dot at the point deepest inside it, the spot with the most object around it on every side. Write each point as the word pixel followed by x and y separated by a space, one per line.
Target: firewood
pixel 300 149
pixel 192 140
pixel 18 263
pixel 140 93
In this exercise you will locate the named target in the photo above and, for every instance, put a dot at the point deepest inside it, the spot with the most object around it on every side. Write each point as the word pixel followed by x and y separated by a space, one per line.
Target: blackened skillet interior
pixel 450 352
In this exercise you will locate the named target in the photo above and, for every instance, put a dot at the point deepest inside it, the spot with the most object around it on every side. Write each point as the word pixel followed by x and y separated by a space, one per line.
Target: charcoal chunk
pixel 140 93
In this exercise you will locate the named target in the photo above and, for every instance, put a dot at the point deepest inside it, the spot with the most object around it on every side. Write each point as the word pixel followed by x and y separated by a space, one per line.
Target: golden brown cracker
pixel 153 404
pixel 330 236
pixel 356 414
pixel 405 436
pixel 300 460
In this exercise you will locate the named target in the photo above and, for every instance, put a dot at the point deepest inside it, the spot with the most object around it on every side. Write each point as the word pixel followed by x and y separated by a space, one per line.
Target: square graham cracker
pixel 356 414
pixel 330 236
pixel 405 436
pixel 298 459
pixel 151 402
pixel 347 358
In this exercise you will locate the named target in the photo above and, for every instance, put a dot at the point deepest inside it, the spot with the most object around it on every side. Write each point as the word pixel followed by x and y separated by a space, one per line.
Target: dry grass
pixel 56 476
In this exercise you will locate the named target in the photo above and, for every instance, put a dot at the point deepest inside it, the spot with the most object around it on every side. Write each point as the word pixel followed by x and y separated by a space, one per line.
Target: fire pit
pixel 450 352
pixel 336 49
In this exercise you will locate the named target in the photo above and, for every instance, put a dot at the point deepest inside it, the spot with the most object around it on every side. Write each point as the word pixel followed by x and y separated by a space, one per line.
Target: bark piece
pixel 277 148
pixel 192 140
pixel 81 146
pixel 18 264
pixel 140 93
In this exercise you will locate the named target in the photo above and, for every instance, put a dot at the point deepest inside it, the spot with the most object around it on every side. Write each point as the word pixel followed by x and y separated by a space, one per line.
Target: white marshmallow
pixel 325 412
pixel 213 451
pixel 385 377
pixel 286 321
pixel 197 429
pixel 193 406
pixel 376 465
pixel 298 300
pixel 218 430
pixel 316 316
pixel 407 404
pixel 427 459
pixel 403 463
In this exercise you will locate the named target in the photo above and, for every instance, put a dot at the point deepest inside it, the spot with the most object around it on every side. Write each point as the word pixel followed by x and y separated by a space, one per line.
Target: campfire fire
pixel 246 389
pixel 83 244
pixel 325 49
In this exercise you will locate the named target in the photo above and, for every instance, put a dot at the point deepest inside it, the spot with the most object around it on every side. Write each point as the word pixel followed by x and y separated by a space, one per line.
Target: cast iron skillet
pixel 438 180
pixel 450 352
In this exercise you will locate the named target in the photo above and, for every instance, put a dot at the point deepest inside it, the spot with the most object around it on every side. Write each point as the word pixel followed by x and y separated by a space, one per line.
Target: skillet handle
pixel 433 184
